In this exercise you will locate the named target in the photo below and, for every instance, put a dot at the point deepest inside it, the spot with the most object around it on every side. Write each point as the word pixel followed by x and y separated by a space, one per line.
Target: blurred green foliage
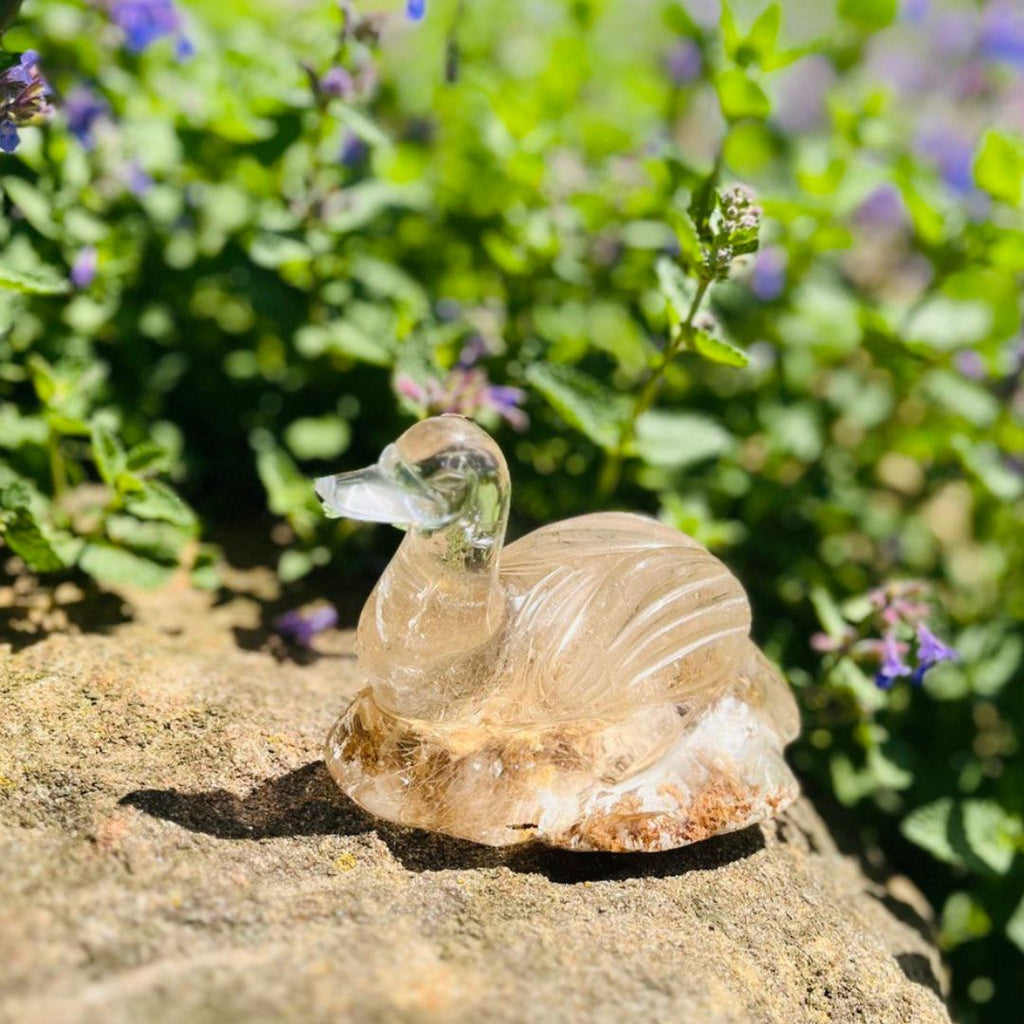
pixel 221 292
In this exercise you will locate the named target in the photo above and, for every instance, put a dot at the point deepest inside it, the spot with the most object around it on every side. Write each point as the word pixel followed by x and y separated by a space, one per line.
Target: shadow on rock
pixel 300 803
pixel 36 611
pixel 918 969
pixel 307 802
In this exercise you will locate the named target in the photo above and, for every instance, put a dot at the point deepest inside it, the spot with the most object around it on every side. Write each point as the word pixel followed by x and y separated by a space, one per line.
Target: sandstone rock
pixel 172 848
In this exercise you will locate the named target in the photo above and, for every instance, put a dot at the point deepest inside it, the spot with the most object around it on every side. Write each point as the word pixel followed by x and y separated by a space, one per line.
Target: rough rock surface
pixel 172 848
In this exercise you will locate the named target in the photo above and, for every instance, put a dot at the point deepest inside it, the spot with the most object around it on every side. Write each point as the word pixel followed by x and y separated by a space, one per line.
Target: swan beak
pixel 373 495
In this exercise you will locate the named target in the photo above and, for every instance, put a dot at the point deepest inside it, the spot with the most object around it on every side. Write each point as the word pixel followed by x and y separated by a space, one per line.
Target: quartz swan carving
pixel 592 685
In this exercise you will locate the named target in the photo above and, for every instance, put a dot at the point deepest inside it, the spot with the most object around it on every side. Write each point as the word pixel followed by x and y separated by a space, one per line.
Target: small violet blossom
pixel 898 610
pixel 930 652
pixel 893 666
pixel 300 626
pixel 683 62
pixel 145 22
pixel 466 390
pixel 1002 35
pixel 354 150
pixel 337 82
pixel 83 270
pixel 23 92
pixel 83 108
pixel 952 154
pixel 136 178
pixel 768 278
pixel 970 364
pixel 415 10
pixel 883 207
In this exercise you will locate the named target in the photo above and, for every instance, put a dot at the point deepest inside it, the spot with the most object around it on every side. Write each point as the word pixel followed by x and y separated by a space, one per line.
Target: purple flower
pixel 83 270
pixel 800 95
pixel 353 150
pixel 137 178
pixel 83 108
pixel 415 10
pixel 473 351
pixel 893 666
pixel 21 73
pixel 411 389
pixel 466 391
pixel 769 275
pixel 144 22
pixel 23 92
pixel 337 82
pixel 1002 36
pixel 930 651
pixel 952 154
pixel 506 402
pixel 970 364
pixel 8 136
pixel 915 11
pixel 300 626
pixel 683 62
pixel 883 207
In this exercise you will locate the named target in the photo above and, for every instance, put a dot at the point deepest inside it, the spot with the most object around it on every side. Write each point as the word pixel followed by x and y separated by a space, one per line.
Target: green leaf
pixel 964 919
pixel 702 205
pixel 25 530
pixel 990 465
pixel 8 12
pixel 717 350
pixel 847 675
pixel 274 251
pixel 962 397
pixel 318 437
pixel 929 828
pixel 687 236
pixel 44 380
pixel 289 492
pixel 999 166
pixel 977 834
pixel 148 457
pixel 118 567
pixel 678 289
pixel 153 539
pixel 944 324
pixel 108 452
pixel 672 440
pixel 829 615
pixel 760 42
pixel 869 15
pixel 584 403
pixel 993 834
pixel 740 96
pixel 157 501
pixel 341 337
pixel 35 206
pixel 1015 927
pixel 32 282
pixel 16 429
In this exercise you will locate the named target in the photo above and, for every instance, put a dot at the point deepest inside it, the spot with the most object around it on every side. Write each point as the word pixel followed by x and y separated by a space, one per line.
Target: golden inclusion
pixel 591 686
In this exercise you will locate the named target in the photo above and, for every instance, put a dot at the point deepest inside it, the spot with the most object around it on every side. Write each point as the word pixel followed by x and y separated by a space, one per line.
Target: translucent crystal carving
pixel 592 685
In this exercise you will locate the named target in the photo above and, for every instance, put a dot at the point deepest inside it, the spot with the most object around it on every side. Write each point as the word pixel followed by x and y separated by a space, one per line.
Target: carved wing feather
pixel 614 610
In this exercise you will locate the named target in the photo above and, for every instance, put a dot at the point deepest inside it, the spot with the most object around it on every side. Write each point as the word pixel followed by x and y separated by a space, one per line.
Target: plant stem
pixel 58 474
pixel 611 473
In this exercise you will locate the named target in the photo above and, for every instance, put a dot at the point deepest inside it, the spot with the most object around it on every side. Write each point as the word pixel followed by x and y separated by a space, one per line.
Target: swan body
pixel 592 686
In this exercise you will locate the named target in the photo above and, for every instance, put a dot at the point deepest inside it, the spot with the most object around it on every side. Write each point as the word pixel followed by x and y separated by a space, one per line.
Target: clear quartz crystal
pixel 593 685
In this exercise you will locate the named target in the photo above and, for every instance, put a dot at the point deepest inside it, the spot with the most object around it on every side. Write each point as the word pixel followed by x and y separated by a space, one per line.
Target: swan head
pixel 442 472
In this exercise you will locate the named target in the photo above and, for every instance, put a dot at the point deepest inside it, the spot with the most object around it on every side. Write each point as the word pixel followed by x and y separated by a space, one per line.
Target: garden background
pixel 756 271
